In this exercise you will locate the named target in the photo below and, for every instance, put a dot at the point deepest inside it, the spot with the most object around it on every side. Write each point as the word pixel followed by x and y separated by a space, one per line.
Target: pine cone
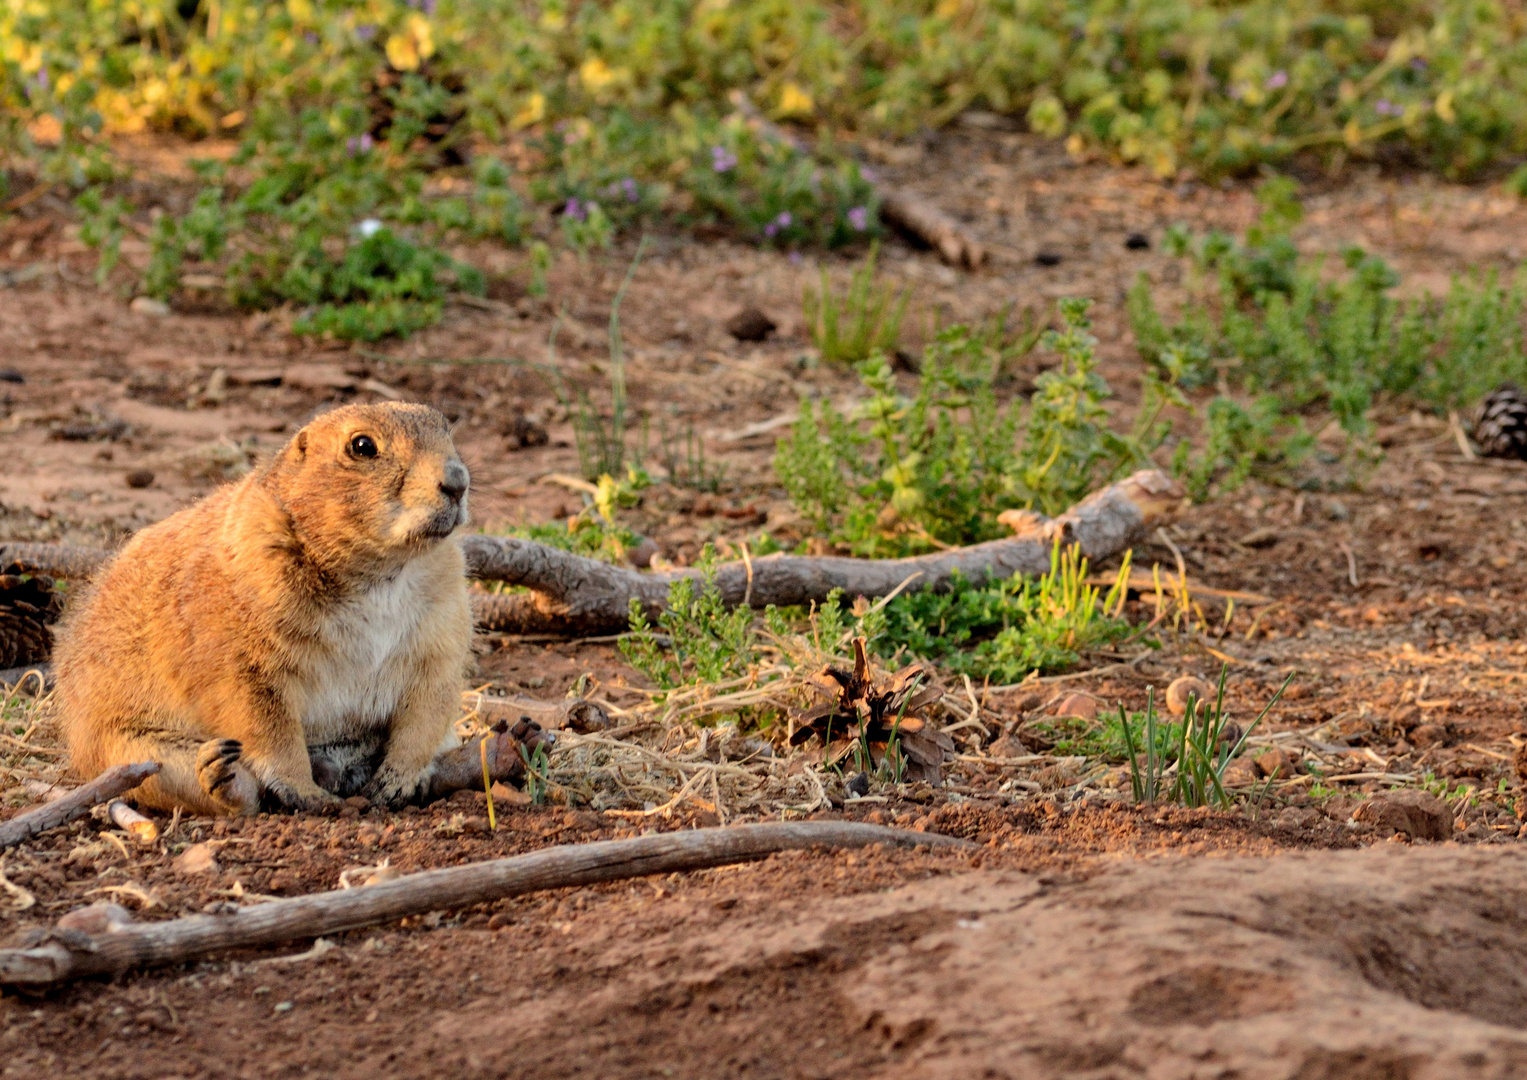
pixel 1500 423
pixel 28 608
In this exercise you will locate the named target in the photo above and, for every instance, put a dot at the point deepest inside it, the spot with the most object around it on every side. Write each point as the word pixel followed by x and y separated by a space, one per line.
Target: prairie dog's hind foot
pixel 224 778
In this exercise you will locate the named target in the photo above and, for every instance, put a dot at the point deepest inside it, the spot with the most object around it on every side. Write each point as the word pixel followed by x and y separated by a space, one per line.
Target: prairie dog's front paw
pixel 222 775
pixel 392 788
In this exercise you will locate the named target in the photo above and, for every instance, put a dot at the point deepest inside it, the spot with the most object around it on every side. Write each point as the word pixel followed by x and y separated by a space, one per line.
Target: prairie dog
pixel 311 618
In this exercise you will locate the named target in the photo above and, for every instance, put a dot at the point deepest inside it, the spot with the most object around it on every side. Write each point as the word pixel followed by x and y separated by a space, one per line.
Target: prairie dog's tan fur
pixel 316 603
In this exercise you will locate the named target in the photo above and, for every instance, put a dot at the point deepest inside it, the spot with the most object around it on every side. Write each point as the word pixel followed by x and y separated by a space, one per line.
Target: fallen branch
pixel 574 596
pixel 70 953
pixel 930 224
pixel 912 213
pixel 578 596
pixel 66 808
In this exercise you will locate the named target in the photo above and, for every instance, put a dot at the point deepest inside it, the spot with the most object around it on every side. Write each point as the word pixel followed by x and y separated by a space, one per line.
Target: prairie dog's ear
pixel 300 443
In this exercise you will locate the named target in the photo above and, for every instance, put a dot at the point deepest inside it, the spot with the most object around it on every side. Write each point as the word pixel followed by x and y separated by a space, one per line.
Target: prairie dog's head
pixel 373 483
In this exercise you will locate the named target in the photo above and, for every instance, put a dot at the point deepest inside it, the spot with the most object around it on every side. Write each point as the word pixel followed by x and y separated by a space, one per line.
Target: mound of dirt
pixel 1386 963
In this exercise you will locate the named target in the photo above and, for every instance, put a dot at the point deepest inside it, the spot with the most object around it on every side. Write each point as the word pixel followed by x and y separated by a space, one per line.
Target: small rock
pixel 139 478
pixel 318 377
pixel 641 555
pixel 1008 746
pixel 858 784
pixel 11 375
pixel 750 324
pixel 1047 258
pixel 1418 814
pixel 1277 764
pixel 500 920
pixel 197 859
pixel 1182 688
pixel 1081 706
pixel 359 802
pixel 147 305
pixel 474 824
pixel 1297 817
pixel 1239 772
pixel 1137 241
pixel 506 794
pixel 101 917
pixel 381 874
pixel 1425 735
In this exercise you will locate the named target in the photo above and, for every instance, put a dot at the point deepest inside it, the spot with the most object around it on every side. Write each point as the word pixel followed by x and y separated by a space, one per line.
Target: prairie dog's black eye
pixel 363 446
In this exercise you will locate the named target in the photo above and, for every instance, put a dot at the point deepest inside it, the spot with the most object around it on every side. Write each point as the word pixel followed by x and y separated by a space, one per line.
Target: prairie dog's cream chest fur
pixel 317 605
pixel 358 671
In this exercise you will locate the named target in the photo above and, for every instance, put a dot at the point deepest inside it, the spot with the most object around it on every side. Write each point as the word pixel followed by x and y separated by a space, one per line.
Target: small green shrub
pixel 1006 630
pixel 914 474
pixel 1191 773
pixel 706 643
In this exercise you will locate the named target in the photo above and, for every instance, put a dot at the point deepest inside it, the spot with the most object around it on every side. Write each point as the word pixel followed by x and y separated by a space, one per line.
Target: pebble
pixel 147 305
pixel 1181 688
pixel 139 478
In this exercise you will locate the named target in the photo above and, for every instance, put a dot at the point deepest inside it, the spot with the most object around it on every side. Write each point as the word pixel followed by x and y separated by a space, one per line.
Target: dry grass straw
pixel 716 747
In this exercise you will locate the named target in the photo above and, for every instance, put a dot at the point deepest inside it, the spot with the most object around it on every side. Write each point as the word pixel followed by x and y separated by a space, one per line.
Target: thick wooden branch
pixel 73 954
pixel 66 808
pixel 571 594
pixel 580 597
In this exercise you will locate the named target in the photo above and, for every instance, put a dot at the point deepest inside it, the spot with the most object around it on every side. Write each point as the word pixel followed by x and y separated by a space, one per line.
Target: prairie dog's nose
pixel 453 482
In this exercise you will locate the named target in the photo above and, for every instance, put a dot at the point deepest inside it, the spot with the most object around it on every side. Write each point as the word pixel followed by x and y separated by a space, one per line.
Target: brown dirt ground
pixel 1087 939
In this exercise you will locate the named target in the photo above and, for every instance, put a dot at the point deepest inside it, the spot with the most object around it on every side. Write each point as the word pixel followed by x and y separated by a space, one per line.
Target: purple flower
pixel 361 144
pixel 795 258
pixel 859 218
pixel 1384 107
pixel 430 6
pixel 784 220
pixel 365 32
pixel 722 159
pixel 310 37
pixel 628 185
pixel 770 229
pixel 574 209
pixel 42 78
pixel 1276 81
pixel 1418 63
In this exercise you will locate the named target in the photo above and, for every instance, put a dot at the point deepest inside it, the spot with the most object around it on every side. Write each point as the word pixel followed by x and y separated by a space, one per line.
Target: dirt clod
pixel 750 324
pixel 1417 814
pixel 139 478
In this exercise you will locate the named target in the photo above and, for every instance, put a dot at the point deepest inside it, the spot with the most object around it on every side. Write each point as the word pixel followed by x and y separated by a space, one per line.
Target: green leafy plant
pixel 1006 630
pixel 864 320
pixel 907 475
pixel 706 643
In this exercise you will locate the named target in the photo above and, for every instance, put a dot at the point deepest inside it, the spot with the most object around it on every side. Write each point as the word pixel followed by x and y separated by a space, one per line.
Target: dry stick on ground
pixel 919 217
pixel 73 954
pixel 574 596
pixel 66 808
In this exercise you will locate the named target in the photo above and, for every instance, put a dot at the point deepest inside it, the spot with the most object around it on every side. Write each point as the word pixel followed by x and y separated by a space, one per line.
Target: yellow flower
pixel 793 101
pixel 412 45
pixel 596 74
pixel 1445 107
pixel 533 112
